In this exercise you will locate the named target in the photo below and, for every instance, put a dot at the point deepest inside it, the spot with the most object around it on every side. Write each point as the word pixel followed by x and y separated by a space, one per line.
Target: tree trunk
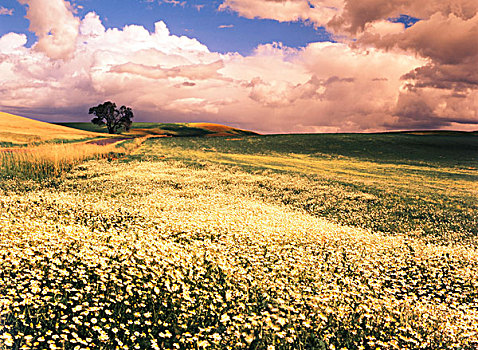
pixel 111 128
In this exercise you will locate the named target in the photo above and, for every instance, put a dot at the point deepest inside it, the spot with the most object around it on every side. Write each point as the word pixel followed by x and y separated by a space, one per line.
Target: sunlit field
pixel 47 162
pixel 263 242
pixel 20 131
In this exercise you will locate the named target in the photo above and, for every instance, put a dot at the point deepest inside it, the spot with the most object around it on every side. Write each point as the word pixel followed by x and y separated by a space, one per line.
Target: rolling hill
pixel 15 130
pixel 170 129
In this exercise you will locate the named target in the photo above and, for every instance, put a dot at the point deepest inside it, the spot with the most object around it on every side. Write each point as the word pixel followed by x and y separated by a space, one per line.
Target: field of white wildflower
pixel 160 254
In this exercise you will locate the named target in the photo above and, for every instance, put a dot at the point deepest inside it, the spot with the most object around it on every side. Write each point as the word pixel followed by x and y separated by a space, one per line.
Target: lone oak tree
pixel 115 119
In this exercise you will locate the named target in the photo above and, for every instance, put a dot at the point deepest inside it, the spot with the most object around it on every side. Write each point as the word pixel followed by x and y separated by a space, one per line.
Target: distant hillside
pixel 169 129
pixel 432 132
pixel 19 130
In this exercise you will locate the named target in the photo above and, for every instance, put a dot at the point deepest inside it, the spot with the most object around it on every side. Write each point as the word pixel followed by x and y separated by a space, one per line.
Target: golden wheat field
pixel 19 130
pixel 49 160
pixel 181 248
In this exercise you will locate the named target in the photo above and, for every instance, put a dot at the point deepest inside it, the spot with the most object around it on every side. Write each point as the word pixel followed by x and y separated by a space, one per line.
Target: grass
pixel 274 243
pixel 38 150
pixel 435 149
pixel 172 129
pixel 47 161
pixel 86 127
pixel 19 130
pixel 11 144
pixel 168 129
pixel 431 194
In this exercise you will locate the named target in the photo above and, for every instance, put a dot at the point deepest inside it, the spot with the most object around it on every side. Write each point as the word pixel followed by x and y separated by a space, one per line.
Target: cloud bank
pixel 378 76
pixel 442 92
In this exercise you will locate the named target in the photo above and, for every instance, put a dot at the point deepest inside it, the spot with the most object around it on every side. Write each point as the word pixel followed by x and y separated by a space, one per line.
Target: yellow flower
pixel 203 344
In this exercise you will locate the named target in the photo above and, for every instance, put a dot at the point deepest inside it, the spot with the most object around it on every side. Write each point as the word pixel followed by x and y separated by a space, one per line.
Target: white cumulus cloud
pixel 55 26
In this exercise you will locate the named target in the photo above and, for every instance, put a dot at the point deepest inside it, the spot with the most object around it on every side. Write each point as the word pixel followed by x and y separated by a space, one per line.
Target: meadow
pixel 247 242
pixel 166 129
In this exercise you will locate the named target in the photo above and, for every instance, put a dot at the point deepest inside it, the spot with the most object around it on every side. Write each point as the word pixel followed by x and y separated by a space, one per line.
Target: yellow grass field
pixel 217 129
pixel 50 160
pixel 30 152
pixel 19 130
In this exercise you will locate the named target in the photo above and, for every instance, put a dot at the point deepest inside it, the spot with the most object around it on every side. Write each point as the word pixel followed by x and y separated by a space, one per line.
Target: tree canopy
pixel 115 119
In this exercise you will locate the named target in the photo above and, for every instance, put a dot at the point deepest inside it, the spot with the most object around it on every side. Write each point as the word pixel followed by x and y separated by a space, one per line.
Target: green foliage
pixel 432 215
pixel 177 129
pixel 168 129
pixel 86 127
pixel 11 144
pixel 436 149
pixel 115 119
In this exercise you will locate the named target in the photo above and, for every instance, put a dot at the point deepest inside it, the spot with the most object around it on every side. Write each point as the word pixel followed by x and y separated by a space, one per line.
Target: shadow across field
pixel 168 129
pixel 434 149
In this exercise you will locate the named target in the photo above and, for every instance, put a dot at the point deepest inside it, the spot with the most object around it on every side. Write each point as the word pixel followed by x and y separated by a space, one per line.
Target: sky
pixel 273 66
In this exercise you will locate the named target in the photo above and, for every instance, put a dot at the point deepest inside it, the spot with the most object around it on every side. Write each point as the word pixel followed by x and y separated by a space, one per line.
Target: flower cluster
pixel 159 255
